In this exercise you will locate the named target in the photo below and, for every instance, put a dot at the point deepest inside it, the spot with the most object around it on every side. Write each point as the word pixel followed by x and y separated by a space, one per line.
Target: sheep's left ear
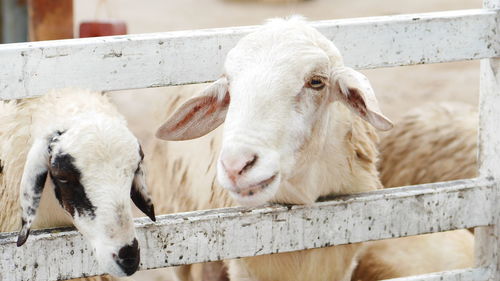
pixel 139 193
pixel 32 183
pixel 355 91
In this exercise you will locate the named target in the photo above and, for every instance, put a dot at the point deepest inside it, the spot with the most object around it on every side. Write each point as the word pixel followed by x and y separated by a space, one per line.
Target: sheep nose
pixel 238 163
pixel 129 257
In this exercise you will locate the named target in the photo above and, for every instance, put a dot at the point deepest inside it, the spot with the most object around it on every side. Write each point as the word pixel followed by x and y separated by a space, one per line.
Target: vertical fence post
pixel 13 21
pixel 488 238
pixel 50 19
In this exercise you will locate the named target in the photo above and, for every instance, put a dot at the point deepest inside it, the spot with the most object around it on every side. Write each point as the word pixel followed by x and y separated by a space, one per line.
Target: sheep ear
pixel 355 91
pixel 139 194
pixel 199 115
pixel 32 183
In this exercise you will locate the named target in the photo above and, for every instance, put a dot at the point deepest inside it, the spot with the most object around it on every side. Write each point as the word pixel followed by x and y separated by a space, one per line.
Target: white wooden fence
pixel 174 58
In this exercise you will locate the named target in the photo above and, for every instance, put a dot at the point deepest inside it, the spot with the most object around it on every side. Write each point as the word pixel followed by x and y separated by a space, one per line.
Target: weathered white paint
pixel 153 60
pixel 488 238
pixel 238 232
pixel 475 274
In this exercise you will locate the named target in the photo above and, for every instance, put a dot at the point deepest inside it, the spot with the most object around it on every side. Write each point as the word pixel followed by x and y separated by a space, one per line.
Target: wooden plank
pixel 50 19
pixel 176 58
pixel 473 274
pixel 488 238
pixel 217 234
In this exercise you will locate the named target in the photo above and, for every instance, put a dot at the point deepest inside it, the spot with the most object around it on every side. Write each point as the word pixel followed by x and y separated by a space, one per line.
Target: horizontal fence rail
pixel 474 274
pixel 212 235
pixel 176 58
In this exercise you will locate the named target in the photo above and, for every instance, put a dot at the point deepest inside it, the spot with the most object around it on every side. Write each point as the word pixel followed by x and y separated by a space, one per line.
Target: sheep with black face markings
pixel 292 134
pixel 69 158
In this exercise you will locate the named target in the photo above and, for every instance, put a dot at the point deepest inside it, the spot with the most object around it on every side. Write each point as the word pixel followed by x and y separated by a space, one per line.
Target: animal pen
pixel 176 58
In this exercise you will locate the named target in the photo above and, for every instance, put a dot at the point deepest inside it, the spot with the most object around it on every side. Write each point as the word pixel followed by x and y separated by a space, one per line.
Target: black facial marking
pixel 68 189
pixel 1 166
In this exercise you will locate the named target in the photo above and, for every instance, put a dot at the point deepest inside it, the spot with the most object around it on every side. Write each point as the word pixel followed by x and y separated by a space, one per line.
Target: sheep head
pixel 277 86
pixel 95 168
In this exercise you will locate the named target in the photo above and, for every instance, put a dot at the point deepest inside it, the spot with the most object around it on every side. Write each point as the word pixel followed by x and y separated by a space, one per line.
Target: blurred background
pixel 398 89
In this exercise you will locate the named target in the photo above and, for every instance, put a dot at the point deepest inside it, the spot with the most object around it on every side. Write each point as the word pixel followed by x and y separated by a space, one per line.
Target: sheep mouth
pixel 256 188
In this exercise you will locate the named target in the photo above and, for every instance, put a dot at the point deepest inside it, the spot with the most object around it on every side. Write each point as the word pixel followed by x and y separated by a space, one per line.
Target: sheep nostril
pixel 129 262
pixel 248 165
pixel 129 265
pixel 236 164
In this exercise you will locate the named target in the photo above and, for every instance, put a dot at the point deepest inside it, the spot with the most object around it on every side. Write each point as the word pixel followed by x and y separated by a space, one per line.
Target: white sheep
pixel 292 134
pixel 446 129
pixel 93 163
pixel 436 142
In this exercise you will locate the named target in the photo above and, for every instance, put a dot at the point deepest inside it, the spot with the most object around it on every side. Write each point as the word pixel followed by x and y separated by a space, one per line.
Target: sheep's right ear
pixel 32 183
pixel 199 115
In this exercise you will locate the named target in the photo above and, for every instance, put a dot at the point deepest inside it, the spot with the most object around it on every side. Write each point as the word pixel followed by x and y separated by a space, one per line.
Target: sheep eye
pixel 62 180
pixel 316 83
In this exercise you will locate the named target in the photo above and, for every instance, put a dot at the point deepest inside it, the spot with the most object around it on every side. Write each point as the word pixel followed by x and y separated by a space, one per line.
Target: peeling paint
pixel 113 54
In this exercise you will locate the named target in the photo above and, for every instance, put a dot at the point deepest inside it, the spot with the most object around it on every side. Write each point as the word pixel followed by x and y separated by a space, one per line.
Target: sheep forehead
pixel 285 45
pixel 106 163
pixel 100 148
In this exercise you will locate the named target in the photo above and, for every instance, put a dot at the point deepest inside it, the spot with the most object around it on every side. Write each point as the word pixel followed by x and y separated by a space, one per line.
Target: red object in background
pixel 102 28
